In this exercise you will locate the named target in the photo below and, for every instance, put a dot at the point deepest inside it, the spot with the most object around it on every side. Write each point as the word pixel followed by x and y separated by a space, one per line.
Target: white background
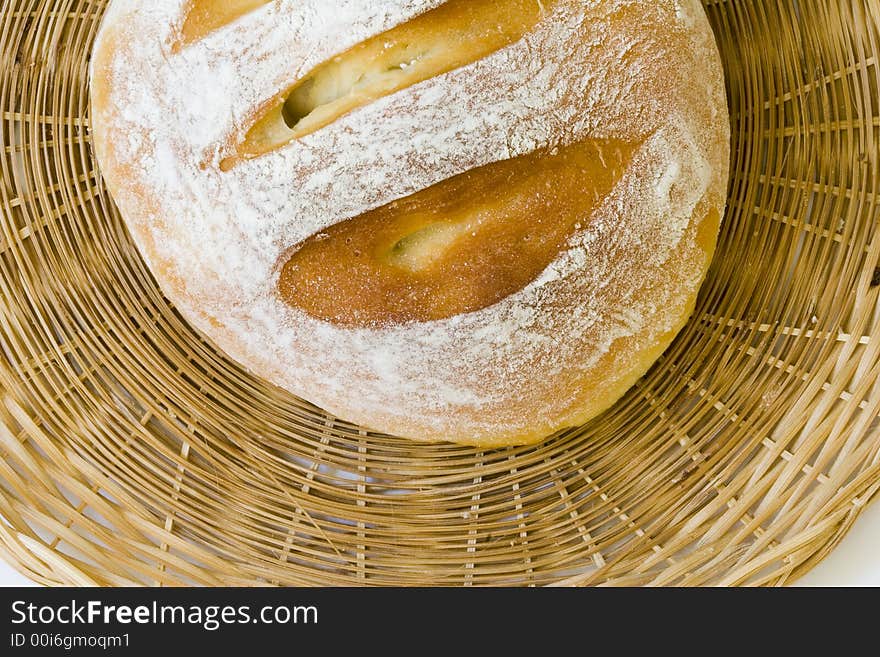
pixel 856 562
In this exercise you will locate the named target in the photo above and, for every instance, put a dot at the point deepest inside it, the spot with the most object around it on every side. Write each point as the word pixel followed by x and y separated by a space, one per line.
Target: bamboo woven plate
pixel 133 452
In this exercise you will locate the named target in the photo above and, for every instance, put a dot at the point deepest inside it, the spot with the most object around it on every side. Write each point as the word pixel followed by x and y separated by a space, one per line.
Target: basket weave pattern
pixel 134 453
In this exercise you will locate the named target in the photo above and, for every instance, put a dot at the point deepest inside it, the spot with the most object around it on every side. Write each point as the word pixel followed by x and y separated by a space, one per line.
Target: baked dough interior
pixel 456 247
pixel 206 16
pixel 450 36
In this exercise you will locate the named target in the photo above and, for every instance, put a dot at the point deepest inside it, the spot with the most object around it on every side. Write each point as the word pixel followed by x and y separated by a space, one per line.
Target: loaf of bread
pixel 478 221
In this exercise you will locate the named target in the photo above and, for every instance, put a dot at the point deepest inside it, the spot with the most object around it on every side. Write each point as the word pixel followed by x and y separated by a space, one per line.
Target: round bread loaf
pixel 475 220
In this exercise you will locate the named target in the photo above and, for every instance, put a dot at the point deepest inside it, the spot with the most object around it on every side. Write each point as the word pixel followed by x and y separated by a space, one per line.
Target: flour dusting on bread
pixel 637 70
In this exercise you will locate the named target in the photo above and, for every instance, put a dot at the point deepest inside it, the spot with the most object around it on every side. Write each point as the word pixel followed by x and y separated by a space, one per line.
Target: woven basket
pixel 135 453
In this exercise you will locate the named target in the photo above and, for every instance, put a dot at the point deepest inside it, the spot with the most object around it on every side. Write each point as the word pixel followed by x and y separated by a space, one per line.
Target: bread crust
pixel 548 356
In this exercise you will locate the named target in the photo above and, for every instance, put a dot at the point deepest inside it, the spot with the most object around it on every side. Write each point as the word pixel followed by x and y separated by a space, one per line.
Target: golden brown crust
pixel 457 247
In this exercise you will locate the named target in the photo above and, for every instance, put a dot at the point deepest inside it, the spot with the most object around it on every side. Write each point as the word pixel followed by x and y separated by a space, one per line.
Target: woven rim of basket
pixel 134 453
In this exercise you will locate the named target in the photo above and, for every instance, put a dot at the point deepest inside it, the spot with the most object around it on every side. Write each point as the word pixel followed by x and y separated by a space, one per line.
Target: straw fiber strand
pixel 134 453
